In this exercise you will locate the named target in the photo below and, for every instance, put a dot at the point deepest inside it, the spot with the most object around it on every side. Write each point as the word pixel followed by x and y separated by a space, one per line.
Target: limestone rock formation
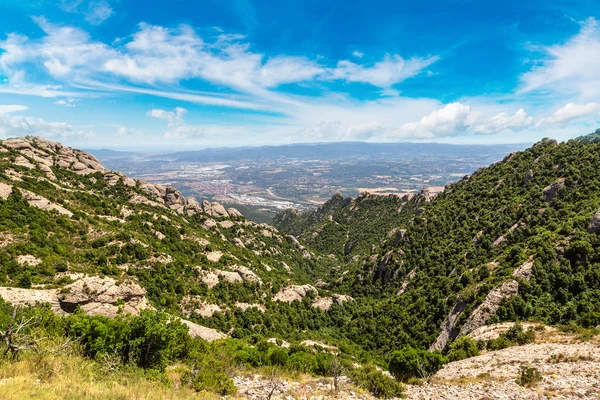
pixel 554 189
pixel 594 226
pixel 448 331
pixel 489 306
pixel 294 292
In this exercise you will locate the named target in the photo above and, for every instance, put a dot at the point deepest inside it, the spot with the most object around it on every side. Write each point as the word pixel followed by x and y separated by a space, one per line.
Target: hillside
pixel 516 240
pixel 351 284
pixel 348 227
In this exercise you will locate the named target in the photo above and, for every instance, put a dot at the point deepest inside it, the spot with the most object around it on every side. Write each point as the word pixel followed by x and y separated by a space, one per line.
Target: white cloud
pixel 503 121
pixel 570 68
pixel 454 118
pixel 176 127
pixel 7 109
pixel 280 70
pixel 571 112
pixel 358 54
pixel 98 12
pixel 18 125
pixel 391 70
pixel 156 54
pixel 67 102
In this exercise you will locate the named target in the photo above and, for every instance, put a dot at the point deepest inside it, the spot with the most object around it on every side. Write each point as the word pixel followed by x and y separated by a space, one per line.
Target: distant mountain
pixel 108 153
pixel 325 151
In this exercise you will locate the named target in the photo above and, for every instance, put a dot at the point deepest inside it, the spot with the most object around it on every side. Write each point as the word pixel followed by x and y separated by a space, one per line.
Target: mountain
pixel 136 275
pixel 338 150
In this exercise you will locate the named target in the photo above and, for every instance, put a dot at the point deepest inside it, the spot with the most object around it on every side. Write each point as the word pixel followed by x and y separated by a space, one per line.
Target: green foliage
pixel 529 376
pixel 514 336
pixel 463 347
pixel 373 380
pixel 414 363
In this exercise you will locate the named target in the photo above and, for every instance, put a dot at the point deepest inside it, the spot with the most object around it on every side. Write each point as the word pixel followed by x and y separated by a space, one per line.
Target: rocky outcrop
pixel 97 295
pixel 43 203
pixel 214 209
pixel 325 303
pixel 525 270
pixel 5 190
pixel 448 330
pixel 594 226
pixel 246 273
pixel 551 191
pixel 203 332
pixel 28 259
pixel 294 292
pixel 194 304
pixel 489 306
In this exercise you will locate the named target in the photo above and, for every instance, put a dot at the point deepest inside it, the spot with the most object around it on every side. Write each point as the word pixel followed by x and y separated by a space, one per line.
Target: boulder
pixel 294 292
pixel 554 189
pixel 594 226
pixel 97 295
pixel 234 213
pixel 203 332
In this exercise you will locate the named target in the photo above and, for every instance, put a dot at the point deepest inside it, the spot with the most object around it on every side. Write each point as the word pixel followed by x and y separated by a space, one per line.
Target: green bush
pixel 379 385
pixel 277 356
pixel 463 347
pixel 529 376
pixel 413 363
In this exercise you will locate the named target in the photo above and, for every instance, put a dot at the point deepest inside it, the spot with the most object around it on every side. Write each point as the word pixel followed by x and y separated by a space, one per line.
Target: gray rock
pixel 594 226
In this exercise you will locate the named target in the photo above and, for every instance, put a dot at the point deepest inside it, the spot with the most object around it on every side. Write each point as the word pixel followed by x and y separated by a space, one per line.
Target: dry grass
pixel 73 377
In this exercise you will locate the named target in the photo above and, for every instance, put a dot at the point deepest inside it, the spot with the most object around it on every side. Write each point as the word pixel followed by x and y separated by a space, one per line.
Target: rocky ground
pixel 570 369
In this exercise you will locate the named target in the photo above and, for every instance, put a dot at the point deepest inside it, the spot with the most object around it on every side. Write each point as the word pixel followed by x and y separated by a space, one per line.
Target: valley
pixel 370 296
pixel 264 180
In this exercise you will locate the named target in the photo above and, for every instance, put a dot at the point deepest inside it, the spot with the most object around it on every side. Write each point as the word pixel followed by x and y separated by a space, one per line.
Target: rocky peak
pixel 36 152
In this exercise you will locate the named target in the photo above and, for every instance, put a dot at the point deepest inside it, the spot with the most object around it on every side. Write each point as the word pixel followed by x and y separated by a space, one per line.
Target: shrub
pixel 277 356
pixel 412 363
pixel 463 347
pixel 529 376
pixel 379 385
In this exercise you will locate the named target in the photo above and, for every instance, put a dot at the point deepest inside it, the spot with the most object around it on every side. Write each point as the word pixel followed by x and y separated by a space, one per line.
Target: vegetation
pixel 405 262
pixel 461 348
pixel 413 363
pixel 529 376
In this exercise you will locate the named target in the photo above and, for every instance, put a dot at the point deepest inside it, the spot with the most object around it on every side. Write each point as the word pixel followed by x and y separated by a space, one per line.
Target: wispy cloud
pixel 569 68
pixel 98 12
pixel 18 125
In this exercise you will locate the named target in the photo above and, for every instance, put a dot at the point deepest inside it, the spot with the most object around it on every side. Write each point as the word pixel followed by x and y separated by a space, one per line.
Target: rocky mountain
pixel 358 285
pixel 75 234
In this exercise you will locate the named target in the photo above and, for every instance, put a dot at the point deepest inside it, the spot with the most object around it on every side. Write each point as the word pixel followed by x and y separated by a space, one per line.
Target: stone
pixel 551 191
pixel 448 331
pixel 489 306
pixel 294 292
pixel 594 226
pixel 43 203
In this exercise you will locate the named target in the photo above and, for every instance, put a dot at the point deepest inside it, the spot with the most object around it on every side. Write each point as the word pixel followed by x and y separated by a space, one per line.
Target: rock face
pixel 489 306
pixel 294 292
pixel 525 270
pixel 594 226
pixel 35 152
pixel 203 332
pixel 95 296
pixel 448 329
pixel 43 203
pixel 325 303
pixel 553 190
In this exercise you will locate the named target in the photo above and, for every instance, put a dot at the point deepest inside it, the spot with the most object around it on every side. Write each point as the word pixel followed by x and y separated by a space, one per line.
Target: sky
pixel 166 75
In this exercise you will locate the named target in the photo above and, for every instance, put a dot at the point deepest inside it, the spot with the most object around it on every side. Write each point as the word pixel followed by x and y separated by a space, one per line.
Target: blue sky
pixel 192 74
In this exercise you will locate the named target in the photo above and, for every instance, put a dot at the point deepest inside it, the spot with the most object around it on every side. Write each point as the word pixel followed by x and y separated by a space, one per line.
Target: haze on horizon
pixel 164 77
